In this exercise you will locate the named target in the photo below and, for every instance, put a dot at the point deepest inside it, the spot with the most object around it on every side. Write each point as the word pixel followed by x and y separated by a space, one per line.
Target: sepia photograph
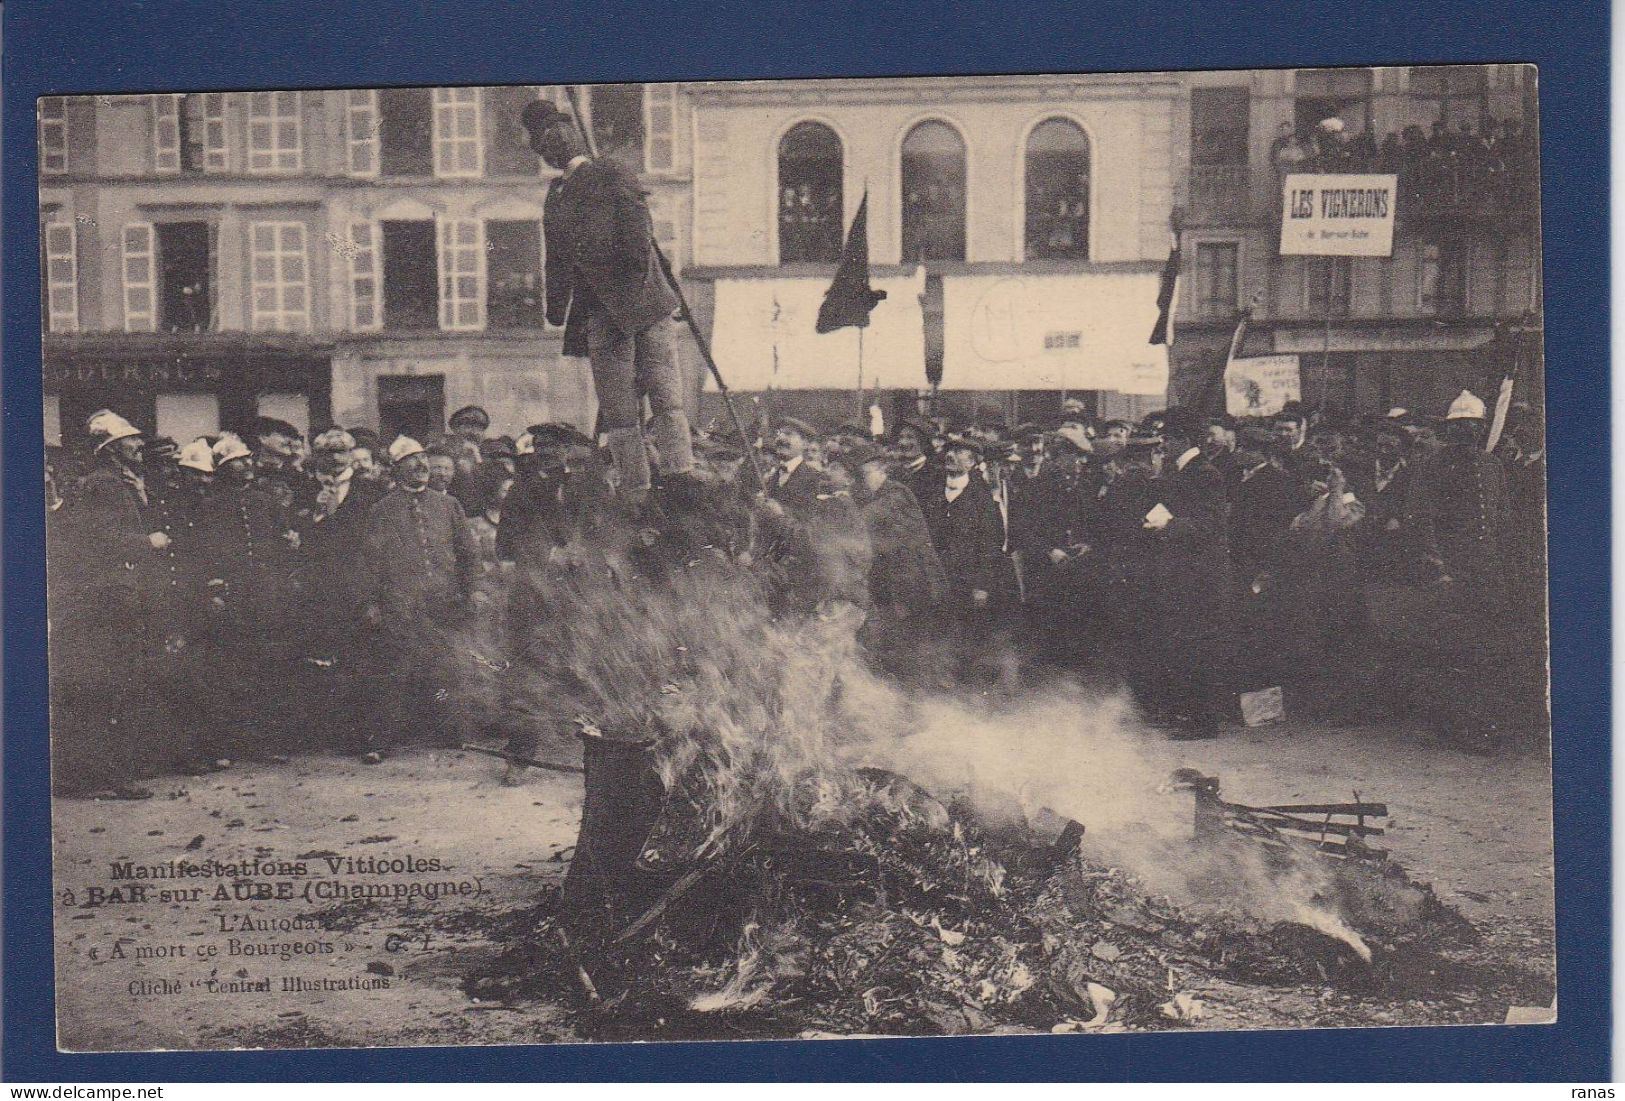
pixel 819 558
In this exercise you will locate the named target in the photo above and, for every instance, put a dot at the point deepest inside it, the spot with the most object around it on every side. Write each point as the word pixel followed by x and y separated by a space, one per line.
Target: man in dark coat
pixel 968 533
pixel 807 527
pixel 333 537
pixel 1382 479
pixel 1488 651
pixel 175 502
pixel 1119 565
pixel 1458 504
pixel 1049 534
pixel 605 285
pixel 1266 496
pixel 279 463
pixel 915 469
pixel 334 576
pixel 556 497
pixel 246 547
pixel 107 631
pixel 464 442
pixel 1190 581
pixel 906 578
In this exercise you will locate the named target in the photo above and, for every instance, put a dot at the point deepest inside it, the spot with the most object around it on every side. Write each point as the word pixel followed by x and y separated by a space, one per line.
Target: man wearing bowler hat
pixel 966 530
pixel 1191 581
pixel 606 287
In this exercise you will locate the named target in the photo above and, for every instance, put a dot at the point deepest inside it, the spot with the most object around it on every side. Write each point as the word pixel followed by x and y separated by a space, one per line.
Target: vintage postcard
pixel 825 558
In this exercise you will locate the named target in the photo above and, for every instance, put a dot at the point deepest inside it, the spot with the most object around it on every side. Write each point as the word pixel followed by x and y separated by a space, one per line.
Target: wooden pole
pixel 688 315
pixel 861 411
pixel 1326 339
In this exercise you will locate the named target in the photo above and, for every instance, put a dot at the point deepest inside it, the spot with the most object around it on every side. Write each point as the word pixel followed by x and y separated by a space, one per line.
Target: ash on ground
pixel 914 921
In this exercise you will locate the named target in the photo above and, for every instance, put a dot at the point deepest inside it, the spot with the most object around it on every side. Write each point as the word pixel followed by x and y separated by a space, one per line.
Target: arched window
pixel 1057 191
pixel 809 194
pixel 933 194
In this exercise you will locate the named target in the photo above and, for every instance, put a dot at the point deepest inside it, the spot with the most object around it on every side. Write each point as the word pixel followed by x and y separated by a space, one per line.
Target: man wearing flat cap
pixel 555 497
pixel 606 287
pixel 798 515
pixel 466 429
pixel 906 582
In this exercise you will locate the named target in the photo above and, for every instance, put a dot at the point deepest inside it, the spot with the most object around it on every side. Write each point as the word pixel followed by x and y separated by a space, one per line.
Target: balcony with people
pixel 1473 174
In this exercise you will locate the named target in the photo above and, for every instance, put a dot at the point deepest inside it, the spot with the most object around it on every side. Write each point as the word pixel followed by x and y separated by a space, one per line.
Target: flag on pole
pixel 1498 423
pixel 1167 292
pixel 850 299
pixel 1213 395
pixel 1503 399
pixel 1239 337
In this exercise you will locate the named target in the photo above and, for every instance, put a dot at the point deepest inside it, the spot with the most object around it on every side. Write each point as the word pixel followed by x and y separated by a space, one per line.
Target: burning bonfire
pixel 788 846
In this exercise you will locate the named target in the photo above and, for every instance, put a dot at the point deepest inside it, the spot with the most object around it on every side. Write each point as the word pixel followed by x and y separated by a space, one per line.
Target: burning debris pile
pixel 832 857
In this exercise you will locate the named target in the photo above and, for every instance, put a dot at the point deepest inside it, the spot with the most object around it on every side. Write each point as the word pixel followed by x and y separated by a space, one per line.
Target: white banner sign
pixel 763 336
pixel 1259 386
pixel 1345 214
pixel 1087 331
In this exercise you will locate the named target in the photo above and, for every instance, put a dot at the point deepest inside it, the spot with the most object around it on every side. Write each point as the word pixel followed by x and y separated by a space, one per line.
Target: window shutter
pixel 280 277
pixel 62 276
pixel 53 135
pixel 457 146
pixel 659 127
pixel 216 152
pixel 366 299
pixel 166 133
pixel 462 274
pixel 361 132
pixel 140 306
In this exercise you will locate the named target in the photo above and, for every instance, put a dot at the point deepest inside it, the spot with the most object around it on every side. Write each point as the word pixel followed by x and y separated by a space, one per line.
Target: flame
pixel 759 720
pixel 1325 921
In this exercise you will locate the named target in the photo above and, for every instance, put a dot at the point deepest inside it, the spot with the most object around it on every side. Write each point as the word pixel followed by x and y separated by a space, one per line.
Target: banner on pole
pixel 764 335
pixel 1341 214
pixel 1259 386
pixel 1087 331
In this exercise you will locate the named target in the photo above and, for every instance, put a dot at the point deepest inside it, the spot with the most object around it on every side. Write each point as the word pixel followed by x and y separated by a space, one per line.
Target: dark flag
pixel 850 298
pixel 1163 331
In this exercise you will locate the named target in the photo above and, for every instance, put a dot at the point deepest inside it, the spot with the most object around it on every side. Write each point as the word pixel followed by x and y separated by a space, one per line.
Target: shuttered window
pixel 140 303
pixel 462 273
pixel 62 277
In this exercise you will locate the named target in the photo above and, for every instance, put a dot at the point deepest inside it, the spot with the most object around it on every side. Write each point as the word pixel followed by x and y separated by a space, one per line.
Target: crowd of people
pixel 249 591
pixel 1492 167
